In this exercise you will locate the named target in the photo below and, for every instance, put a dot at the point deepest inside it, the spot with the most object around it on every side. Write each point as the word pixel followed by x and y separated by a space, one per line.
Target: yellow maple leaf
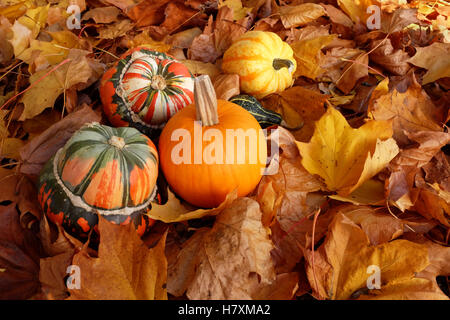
pixel 50 52
pixel 49 83
pixel 434 58
pixel 346 157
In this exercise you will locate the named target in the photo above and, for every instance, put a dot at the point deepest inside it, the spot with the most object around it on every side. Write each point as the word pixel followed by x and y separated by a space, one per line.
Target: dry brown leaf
pixel 203 46
pixel 295 16
pixel 337 16
pixel 147 12
pixel 353 71
pixel 38 151
pixel 115 30
pixel 232 259
pixel 283 288
pixel 102 15
pixel 125 268
pixel 226 31
pixel 344 258
pixel 226 86
pixel 394 61
pixel 411 110
pixel 300 108
pixel 308 55
pixel 19 257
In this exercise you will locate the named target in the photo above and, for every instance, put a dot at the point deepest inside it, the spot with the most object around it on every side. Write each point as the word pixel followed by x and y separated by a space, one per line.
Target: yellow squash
pixel 264 63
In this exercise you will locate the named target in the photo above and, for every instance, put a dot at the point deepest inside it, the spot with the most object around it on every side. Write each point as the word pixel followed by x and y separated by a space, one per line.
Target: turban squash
pixel 265 63
pixel 205 160
pixel 144 89
pixel 100 170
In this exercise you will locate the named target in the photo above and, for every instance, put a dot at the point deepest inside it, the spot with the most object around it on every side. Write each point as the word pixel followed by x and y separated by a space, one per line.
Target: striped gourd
pixel 144 89
pixel 104 170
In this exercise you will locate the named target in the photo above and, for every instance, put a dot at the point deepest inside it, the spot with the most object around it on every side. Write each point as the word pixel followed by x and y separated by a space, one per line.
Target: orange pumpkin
pixel 204 161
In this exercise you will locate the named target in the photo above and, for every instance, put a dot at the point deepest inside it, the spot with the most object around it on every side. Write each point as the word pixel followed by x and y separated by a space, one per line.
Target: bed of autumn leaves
pixel 349 193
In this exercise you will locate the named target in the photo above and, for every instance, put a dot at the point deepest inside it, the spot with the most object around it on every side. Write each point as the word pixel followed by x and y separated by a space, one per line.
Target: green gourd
pixel 265 117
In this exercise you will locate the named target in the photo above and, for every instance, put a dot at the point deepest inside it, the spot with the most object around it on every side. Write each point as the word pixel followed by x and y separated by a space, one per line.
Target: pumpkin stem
pixel 205 101
pixel 117 142
pixel 283 63
pixel 158 82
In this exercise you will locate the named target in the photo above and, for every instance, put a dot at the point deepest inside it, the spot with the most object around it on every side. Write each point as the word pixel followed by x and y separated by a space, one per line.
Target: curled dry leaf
pixel 226 86
pixel 175 211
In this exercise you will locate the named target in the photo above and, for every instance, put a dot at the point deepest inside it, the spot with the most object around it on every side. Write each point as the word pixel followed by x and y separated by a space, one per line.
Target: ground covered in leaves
pixel 350 193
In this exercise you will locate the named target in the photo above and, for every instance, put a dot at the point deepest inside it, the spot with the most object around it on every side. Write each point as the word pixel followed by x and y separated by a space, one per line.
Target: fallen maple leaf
pixel 21 38
pixel 398 20
pixel 345 157
pixel 287 199
pixel 231 260
pixel 411 110
pixel 428 58
pixel 344 258
pixel 337 16
pixel 203 46
pixel 353 71
pixel 124 269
